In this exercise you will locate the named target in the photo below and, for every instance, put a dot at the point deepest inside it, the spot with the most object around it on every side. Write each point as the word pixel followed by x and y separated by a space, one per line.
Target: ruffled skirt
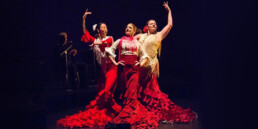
pixel 158 102
pixel 139 103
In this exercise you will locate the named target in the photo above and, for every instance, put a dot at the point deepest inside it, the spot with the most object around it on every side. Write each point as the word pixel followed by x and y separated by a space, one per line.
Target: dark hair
pixel 61 37
pixel 98 27
pixel 138 31
pixel 148 21
pixel 134 27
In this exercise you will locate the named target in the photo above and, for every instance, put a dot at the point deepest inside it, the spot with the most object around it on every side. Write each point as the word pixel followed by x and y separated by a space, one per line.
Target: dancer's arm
pixel 84 19
pixel 114 61
pixel 163 33
pixel 111 53
pixel 99 43
pixel 137 37
pixel 86 37
pixel 143 55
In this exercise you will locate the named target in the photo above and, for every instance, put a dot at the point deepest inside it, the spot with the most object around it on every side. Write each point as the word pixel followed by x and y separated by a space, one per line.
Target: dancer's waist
pixel 128 59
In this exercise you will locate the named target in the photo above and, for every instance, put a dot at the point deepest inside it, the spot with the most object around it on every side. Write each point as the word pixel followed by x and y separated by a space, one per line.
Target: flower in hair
pixel 94 27
pixel 145 29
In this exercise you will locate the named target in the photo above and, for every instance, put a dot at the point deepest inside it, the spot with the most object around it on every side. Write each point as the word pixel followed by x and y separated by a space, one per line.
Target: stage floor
pixel 77 99
pixel 41 110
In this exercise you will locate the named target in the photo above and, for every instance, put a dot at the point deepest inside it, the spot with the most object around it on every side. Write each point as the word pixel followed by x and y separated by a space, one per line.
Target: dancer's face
pixel 129 30
pixel 103 30
pixel 152 26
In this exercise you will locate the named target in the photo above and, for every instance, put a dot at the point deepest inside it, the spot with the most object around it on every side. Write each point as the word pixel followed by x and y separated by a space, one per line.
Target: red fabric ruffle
pixel 135 114
pixel 143 103
pixel 159 103
pixel 86 37
pixel 132 112
pixel 99 112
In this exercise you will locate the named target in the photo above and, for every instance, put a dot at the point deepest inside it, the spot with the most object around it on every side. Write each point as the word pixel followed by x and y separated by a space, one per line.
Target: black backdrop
pixel 209 54
pixel 33 27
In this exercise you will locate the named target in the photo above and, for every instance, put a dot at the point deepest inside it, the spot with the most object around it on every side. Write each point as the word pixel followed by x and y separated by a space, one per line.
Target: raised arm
pixel 83 20
pixel 137 37
pixel 86 37
pixel 167 28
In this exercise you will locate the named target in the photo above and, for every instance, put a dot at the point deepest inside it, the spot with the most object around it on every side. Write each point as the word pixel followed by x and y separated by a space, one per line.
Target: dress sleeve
pixel 111 50
pixel 86 37
pixel 110 41
pixel 141 52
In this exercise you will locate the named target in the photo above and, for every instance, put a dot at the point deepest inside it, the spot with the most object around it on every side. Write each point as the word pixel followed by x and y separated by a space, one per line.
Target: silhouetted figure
pixel 63 58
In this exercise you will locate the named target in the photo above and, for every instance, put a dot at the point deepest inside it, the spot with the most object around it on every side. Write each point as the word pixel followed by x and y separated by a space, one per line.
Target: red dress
pixel 158 102
pixel 107 68
pixel 104 109
pixel 132 111
pixel 101 110
pixel 151 96
pixel 142 106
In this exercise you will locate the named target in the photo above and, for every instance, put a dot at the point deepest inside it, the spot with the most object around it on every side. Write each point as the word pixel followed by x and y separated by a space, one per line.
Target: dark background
pixel 208 55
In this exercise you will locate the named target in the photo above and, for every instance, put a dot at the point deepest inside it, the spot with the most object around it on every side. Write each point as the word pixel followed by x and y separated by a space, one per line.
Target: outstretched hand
pixel 86 13
pixel 91 45
pixel 165 4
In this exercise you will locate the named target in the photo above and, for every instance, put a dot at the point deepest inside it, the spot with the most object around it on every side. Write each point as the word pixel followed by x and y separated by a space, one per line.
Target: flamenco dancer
pixel 151 96
pixel 129 52
pixel 101 110
pixel 99 42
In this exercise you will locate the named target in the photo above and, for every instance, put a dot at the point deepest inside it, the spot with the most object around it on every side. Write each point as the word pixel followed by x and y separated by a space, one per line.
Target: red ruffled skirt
pixel 132 112
pixel 100 111
pixel 158 102
pixel 142 106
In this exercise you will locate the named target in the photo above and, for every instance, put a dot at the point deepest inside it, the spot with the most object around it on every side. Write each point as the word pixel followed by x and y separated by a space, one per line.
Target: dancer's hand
pixel 142 63
pixel 99 42
pixel 91 45
pixel 120 63
pixel 137 63
pixel 165 4
pixel 73 52
pixel 86 13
